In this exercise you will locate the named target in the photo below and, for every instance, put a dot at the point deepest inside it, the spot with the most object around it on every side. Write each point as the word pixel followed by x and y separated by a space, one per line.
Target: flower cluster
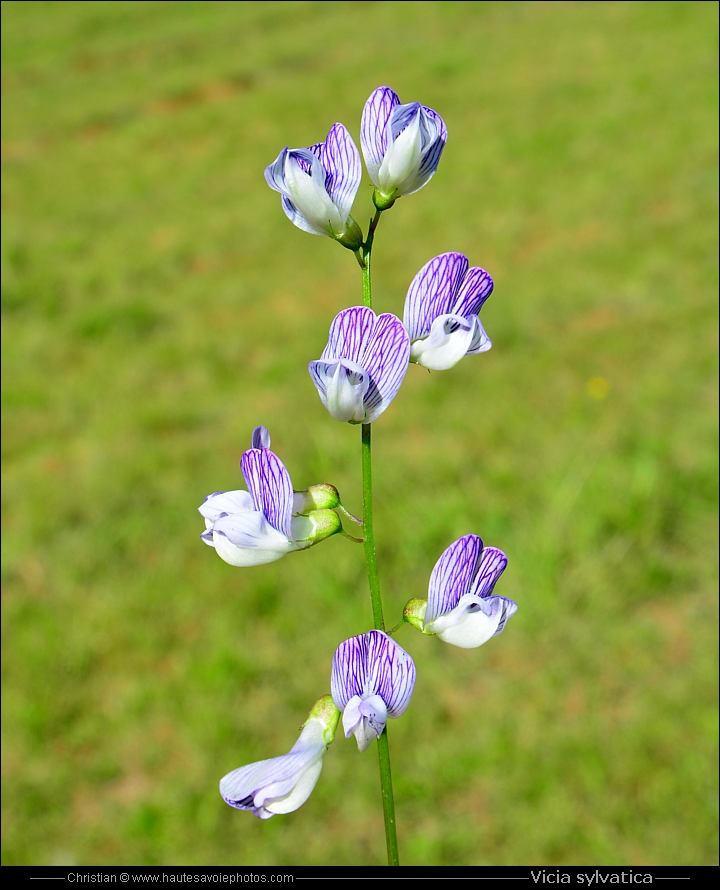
pixel 357 376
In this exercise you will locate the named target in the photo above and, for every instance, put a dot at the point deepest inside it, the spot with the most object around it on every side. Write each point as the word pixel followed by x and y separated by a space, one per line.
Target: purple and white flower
pixel 461 609
pixel 257 526
pixel 282 784
pixel 441 311
pixel 372 679
pixel 318 186
pixel 401 144
pixel 363 364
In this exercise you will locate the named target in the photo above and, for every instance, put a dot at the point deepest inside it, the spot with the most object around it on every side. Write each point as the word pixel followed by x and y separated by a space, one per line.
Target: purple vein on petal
pixel 452 575
pixel 269 484
pixel 476 287
pixel 374 127
pixel 385 358
pixel 492 564
pixel 392 672
pixel 341 161
pixel 349 670
pixel 348 333
pixel 432 292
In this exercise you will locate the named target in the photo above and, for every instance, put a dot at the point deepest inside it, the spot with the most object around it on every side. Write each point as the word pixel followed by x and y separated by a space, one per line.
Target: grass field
pixel 157 305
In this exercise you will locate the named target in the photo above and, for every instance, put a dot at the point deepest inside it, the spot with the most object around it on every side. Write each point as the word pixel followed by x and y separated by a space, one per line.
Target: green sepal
pixel 328 716
pixel 322 496
pixel 414 614
pixel 351 236
pixel 315 527
pixel 384 202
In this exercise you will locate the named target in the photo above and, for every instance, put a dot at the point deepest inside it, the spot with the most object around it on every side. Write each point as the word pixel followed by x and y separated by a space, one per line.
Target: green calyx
pixel 414 614
pixel 322 496
pixel 325 712
pixel 384 202
pixel 351 236
pixel 315 527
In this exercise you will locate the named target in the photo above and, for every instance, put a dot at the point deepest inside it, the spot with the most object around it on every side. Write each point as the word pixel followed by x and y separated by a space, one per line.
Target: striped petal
pixel 493 563
pixel 318 184
pixel 341 160
pixel 349 333
pixel 452 576
pixel 372 678
pixel 363 364
pixel 270 487
pixel 476 287
pixel 414 138
pixel 432 292
pixel 391 673
pixel 349 673
pixel 386 356
pixel 374 128
pixel 282 784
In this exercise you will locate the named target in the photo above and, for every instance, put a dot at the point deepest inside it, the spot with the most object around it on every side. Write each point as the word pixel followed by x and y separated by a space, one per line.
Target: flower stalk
pixel 386 788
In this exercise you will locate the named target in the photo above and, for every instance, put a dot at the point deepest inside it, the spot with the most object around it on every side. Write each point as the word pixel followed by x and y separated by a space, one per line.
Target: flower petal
pixel 269 484
pixel 473 621
pixel 386 354
pixel 341 161
pixel 308 193
pixel 279 785
pixel 480 341
pixel 247 539
pixel 432 292
pixel 493 563
pixel 222 502
pixel 452 576
pixel 349 333
pixel 476 287
pixel 260 437
pixel 275 173
pixel 365 718
pixel 404 153
pixel 391 673
pixel 374 128
pixel 349 670
pixel 450 338
pixel 297 219
pixel 342 386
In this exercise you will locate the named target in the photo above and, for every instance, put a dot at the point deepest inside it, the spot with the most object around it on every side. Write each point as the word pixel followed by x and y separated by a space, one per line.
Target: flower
pixel 318 186
pixel 249 528
pixel 372 679
pixel 363 364
pixel 460 608
pixel 441 311
pixel 281 785
pixel 401 145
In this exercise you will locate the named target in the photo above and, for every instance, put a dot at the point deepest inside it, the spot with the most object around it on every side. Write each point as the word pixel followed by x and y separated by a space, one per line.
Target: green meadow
pixel 157 305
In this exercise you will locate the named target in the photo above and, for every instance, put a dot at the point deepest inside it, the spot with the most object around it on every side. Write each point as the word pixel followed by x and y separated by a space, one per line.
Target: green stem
pixel 373 579
pixel 387 799
pixel 368 530
pixel 365 265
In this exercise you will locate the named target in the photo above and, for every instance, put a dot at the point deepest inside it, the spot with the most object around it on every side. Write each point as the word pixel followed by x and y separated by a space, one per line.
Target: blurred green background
pixel 157 305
